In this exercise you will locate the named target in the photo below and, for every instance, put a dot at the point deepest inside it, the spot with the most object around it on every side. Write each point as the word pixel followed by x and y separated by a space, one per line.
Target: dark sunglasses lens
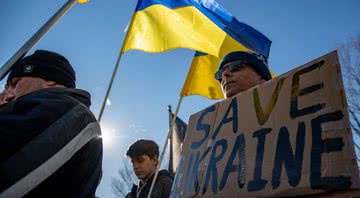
pixel 218 75
pixel 233 67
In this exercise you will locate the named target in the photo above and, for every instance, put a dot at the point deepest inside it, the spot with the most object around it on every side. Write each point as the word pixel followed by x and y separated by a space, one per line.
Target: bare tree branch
pixel 122 184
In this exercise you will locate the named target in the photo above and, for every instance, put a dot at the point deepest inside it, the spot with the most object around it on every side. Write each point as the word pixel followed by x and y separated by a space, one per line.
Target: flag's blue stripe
pixel 172 4
pixel 241 32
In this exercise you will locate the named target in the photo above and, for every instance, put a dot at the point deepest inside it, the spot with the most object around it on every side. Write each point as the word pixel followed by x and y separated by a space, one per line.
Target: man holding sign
pixel 287 137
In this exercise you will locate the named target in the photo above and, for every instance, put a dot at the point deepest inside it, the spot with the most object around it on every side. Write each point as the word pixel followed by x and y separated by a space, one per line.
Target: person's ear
pixel 156 160
pixel 7 97
pixel 261 79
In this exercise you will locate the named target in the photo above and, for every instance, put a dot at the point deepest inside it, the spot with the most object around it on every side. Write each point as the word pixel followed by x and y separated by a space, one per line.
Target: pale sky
pixel 90 36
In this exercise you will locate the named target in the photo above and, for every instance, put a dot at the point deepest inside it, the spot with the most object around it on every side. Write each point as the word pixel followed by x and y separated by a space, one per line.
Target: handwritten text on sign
pixel 289 133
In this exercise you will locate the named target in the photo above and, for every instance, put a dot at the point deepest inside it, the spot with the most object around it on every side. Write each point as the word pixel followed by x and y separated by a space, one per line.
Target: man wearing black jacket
pixel 50 143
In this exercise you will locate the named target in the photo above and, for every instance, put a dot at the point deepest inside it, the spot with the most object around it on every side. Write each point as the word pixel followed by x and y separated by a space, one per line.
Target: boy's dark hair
pixel 143 147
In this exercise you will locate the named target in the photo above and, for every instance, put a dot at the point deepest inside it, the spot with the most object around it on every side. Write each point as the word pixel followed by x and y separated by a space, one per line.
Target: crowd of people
pixel 50 143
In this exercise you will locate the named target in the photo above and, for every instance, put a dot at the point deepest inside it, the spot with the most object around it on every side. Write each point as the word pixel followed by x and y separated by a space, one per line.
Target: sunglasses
pixel 232 67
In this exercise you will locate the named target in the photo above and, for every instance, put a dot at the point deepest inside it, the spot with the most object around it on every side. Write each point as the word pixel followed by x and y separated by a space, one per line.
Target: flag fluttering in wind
pixel 161 25
pixel 202 25
pixel 240 37
pixel 176 141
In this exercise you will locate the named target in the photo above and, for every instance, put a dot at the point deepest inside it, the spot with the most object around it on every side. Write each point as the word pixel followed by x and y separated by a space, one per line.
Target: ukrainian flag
pixel 239 37
pixel 161 25
pixel 201 25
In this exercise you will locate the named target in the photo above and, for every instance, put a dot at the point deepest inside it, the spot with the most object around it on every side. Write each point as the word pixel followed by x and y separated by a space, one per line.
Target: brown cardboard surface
pixel 337 194
pixel 286 137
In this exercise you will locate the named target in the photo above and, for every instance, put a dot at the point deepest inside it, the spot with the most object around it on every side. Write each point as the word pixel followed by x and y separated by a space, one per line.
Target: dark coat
pixel 162 187
pixel 49 145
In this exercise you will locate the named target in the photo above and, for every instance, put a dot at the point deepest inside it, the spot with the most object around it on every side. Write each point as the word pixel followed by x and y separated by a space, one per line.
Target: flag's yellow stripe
pixel 273 75
pixel 201 77
pixel 158 29
pixel 82 1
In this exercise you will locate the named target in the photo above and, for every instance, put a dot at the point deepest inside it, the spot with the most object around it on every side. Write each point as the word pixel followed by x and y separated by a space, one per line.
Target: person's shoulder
pixel 53 97
pixel 132 193
pixel 60 92
pixel 164 172
pixel 165 176
pixel 46 95
pixel 163 184
pixel 56 102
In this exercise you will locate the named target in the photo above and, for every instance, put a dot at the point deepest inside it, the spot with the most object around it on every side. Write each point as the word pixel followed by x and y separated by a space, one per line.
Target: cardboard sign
pixel 288 136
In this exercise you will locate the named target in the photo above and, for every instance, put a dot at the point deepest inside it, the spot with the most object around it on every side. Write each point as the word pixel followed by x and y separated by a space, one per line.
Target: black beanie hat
pixel 257 61
pixel 46 65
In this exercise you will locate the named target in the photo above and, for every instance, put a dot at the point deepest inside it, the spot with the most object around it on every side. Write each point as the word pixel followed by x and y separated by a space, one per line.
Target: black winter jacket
pixel 49 145
pixel 162 187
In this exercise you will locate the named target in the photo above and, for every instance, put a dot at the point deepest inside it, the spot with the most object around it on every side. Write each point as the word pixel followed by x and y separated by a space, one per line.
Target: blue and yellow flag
pixel 239 37
pixel 161 25
pixel 201 25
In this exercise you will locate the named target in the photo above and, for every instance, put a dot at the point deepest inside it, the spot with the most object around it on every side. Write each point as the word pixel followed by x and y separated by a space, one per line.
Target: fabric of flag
pixel 82 1
pixel 240 37
pixel 201 77
pixel 161 25
pixel 178 136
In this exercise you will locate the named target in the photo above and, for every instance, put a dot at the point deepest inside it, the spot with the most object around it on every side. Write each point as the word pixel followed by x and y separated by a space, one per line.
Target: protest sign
pixel 288 136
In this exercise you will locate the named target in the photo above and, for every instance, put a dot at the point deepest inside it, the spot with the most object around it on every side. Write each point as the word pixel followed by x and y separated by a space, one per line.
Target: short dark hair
pixel 143 147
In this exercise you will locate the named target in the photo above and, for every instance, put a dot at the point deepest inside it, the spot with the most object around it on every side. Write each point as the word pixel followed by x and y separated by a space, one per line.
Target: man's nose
pixel 135 166
pixel 226 74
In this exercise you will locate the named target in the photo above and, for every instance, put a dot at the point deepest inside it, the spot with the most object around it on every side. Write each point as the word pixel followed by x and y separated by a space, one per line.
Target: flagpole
pixel 35 38
pixel 110 83
pixel 165 145
pixel 114 72
pixel 171 170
